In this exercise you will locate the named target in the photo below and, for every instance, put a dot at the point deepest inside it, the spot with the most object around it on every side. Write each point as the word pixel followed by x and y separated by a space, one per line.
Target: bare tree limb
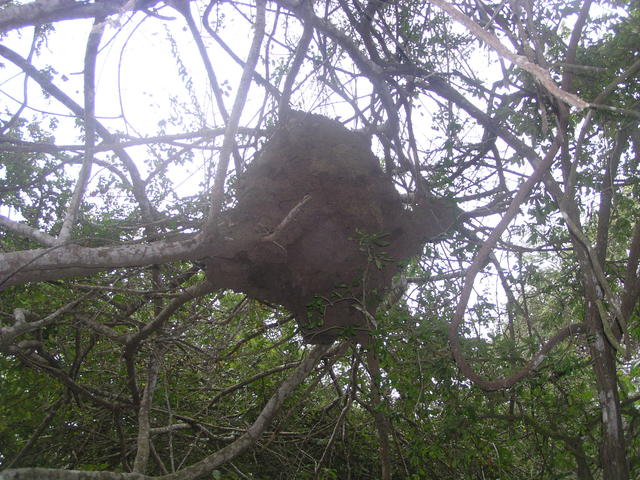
pixel 48 11
pixel 53 474
pixel 71 260
pixel 27 231
pixel 144 425
pixel 228 144
pixel 89 127
pixel 523 62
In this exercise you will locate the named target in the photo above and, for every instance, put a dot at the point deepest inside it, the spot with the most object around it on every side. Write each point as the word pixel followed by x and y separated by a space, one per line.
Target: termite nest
pixel 320 229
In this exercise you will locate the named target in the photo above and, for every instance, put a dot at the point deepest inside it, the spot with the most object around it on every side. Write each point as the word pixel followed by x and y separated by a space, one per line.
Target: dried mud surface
pixel 319 229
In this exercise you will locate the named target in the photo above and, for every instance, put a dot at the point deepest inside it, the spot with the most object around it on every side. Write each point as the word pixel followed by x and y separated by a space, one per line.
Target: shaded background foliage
pixel 141 367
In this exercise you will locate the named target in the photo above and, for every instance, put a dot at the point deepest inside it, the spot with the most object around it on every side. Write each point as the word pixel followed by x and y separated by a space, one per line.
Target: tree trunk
pixel 382 426
pixel 612 450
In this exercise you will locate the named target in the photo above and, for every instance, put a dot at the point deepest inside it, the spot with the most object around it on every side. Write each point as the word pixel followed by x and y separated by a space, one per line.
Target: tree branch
pixel 22 326
pixel 47 85
pixel 479 261
pixel 265 418
pixel 143 443
pixel 40 12
pixel 27 231
pixel 71 260
pixel 523 62
pixel 228 144
pixel 90 129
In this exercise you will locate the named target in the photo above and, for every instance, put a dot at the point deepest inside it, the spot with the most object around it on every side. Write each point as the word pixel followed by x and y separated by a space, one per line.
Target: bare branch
pixel 194 291
pixel 523 62
pixel 21 326
pixel 90 129
pixel 27 231
pixel 144 425
pixel 48 11
pixel 228 144
pixel 290 217
pixel 301 52
pixel 53 474
pixel 69 260
pixel 250 380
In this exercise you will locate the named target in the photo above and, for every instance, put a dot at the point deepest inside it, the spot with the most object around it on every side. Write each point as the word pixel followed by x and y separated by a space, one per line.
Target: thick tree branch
pixel 89 127
pixel 53 474
pixel 27 231
pixel 72 260
pixel 40 12
pixel 572 49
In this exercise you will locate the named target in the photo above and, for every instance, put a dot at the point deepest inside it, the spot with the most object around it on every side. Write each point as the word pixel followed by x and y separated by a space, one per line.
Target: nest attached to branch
pixel 320 229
